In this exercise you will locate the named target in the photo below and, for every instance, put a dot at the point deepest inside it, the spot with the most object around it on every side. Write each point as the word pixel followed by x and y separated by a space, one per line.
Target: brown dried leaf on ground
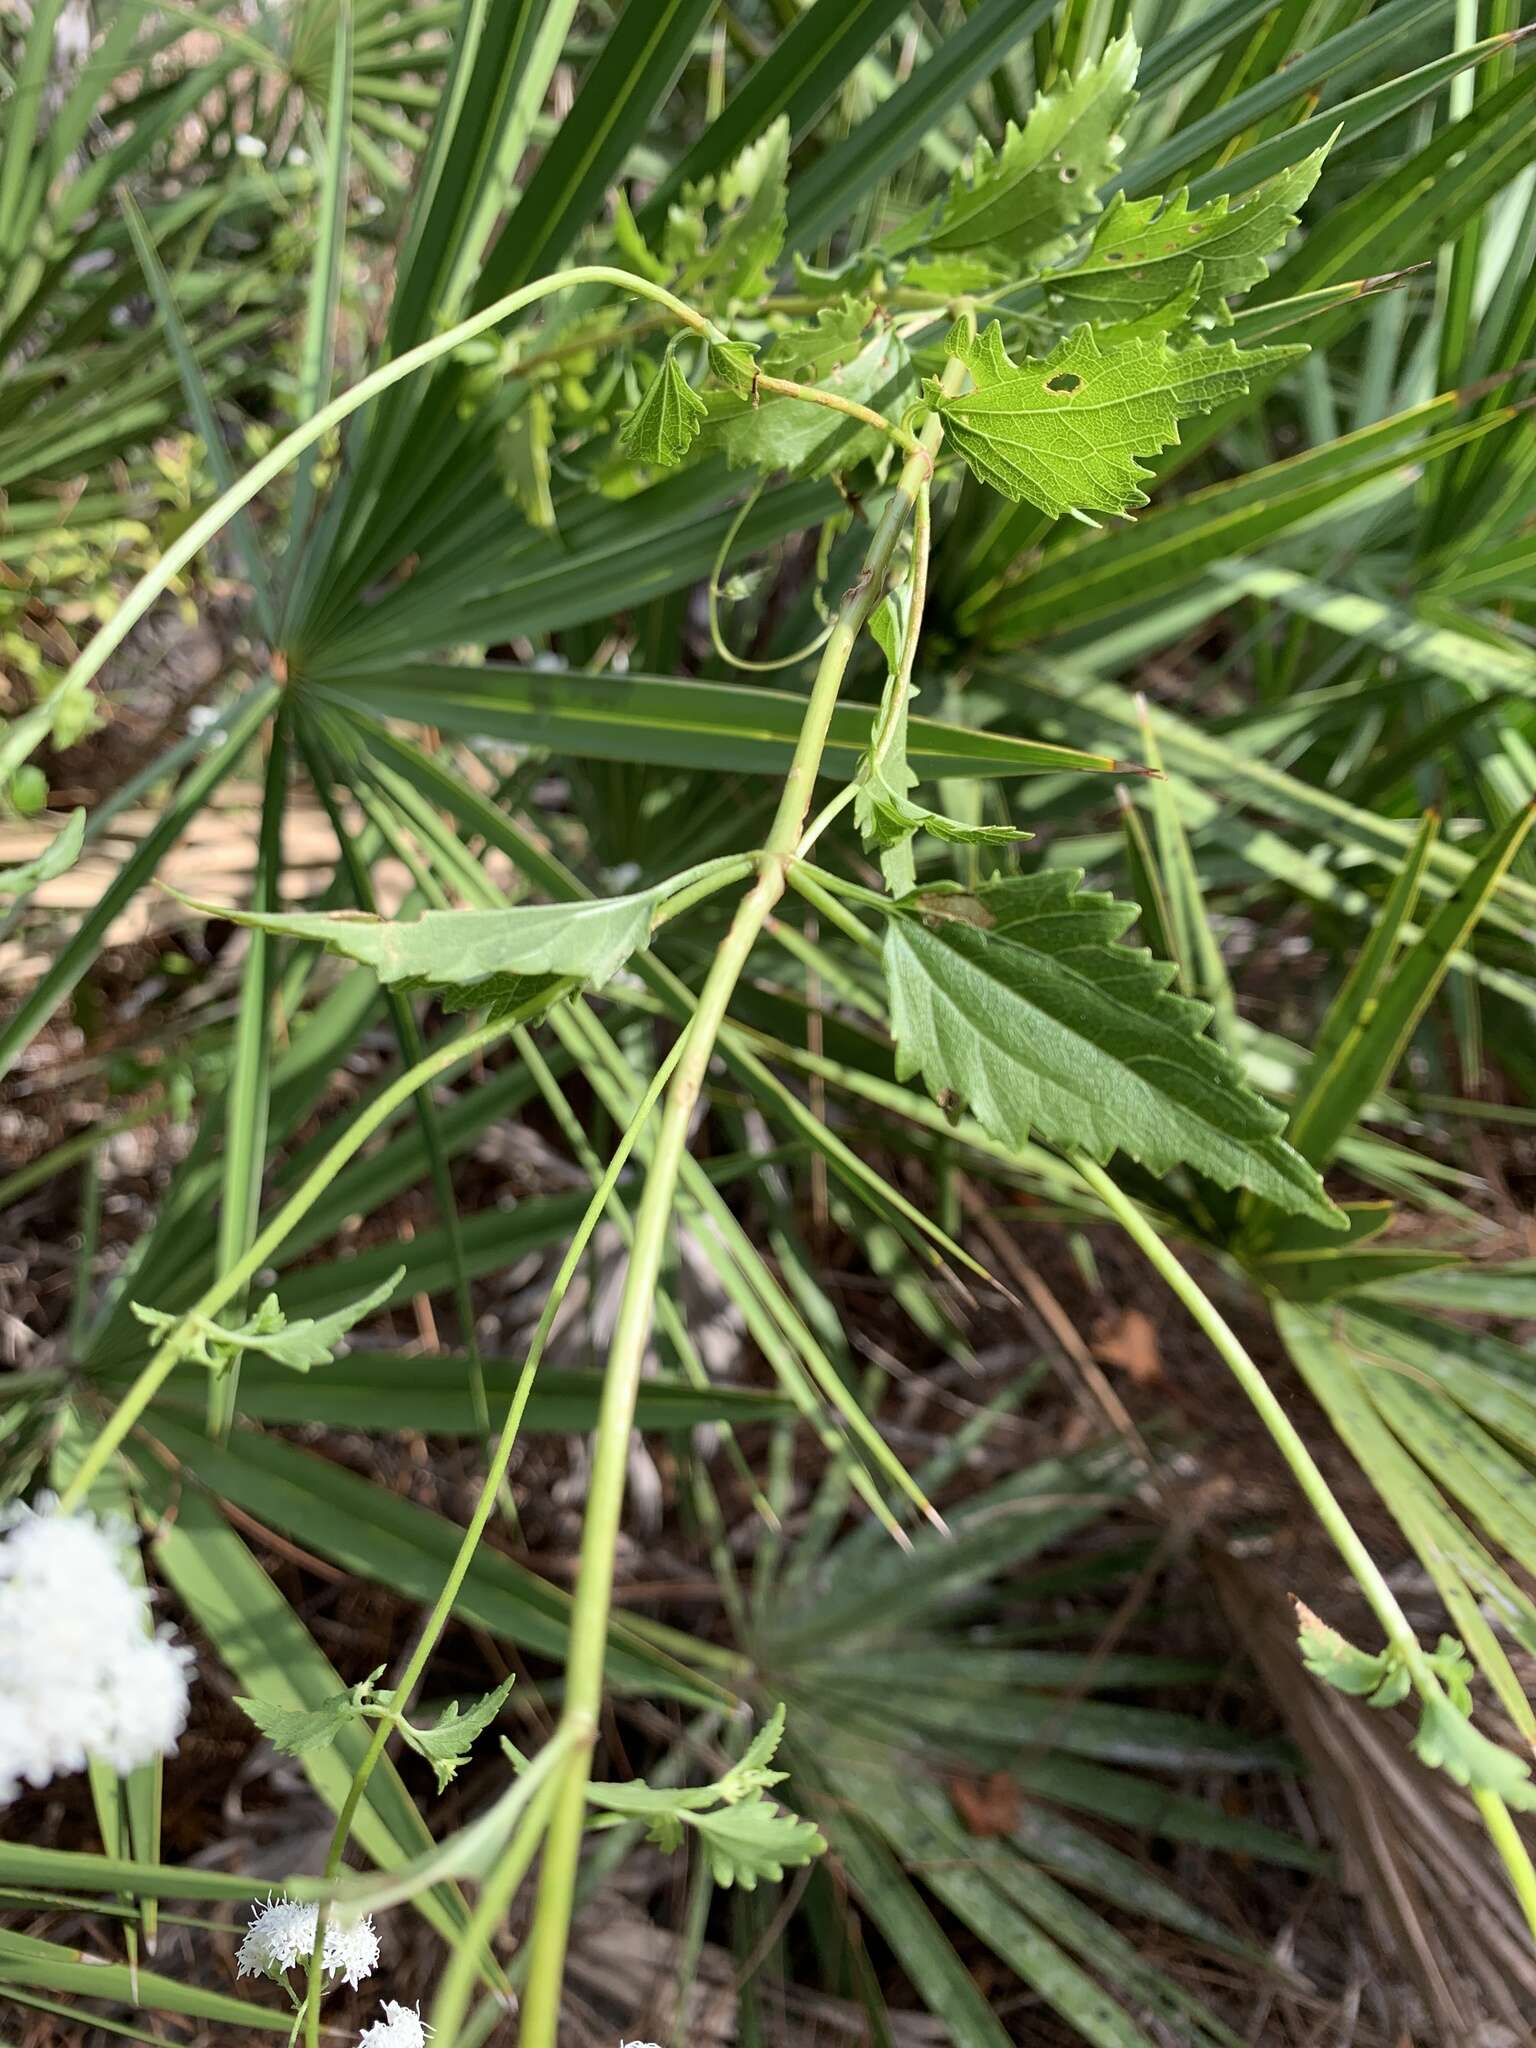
pixel 1129 1340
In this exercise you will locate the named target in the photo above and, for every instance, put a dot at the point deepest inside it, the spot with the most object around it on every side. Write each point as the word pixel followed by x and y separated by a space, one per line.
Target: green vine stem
pixel 287 451
pixel 458 1981
pixel 713 595
pixel 255 480
pixel 1320 1497
pixel 589 1623
pixel 895 719
pixel 496 1471
pixel 600 1531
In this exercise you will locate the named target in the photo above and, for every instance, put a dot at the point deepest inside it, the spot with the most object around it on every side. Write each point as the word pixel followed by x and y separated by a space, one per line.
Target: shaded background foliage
pixel 1074 1779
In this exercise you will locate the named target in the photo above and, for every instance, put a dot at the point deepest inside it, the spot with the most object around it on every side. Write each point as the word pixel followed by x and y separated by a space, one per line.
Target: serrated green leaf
pixel 446 1746
pixel 666 422
pixel 751 1773
pixel 298 1731
pixel 1144 251
pixel 1165 319
pixel 664 1830
pixel 813 350
pixel 1047 175
pixel 312 1340
pixel 1064 431
pixel 745 1835
pixel 478 954
pixel 1447 1741
pixel 956 275
pixel 735 364
pixel 1017 1000
pixel 756 1839
pixel 56 858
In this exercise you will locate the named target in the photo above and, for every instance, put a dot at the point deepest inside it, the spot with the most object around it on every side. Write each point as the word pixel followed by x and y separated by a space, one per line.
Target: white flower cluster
pixel 281 1937
pixel 400 2027
pixel 81 1672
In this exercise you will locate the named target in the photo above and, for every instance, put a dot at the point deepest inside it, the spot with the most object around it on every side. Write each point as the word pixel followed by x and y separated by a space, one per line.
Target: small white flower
pixel 250 146
pixel 352 1953
pixel 81 1673
pixel 282 1937
pixel 400 2027
pixel 281 1934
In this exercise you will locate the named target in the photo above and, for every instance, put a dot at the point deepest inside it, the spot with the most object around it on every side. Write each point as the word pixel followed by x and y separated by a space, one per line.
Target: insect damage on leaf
pixel 1064 431
pixel 1047 175
pixel 666 422
pixel 1145 251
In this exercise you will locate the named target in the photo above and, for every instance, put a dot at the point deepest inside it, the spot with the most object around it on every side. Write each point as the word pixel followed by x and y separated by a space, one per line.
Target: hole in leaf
pixel 1068 173
pixel 1113 256
pixel 1064 380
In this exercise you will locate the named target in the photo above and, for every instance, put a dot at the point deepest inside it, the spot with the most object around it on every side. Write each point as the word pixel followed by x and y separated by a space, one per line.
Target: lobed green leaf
pixel 1047 175
pixel 1064 431
pixel 1145 252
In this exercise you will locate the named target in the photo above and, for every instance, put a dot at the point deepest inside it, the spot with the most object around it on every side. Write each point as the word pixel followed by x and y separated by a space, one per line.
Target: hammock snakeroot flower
pixel 83 1673
pixel 281 1937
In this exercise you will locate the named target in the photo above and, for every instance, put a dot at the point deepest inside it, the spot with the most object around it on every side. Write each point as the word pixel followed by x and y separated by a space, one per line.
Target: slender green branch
pixel 803 881
pixel 785 387
pixel 1320 1497
pixel 229 1284
pixel 605 1500
pixel 706 881
pixel 793 305
pixel 840 885
pixel 1513 1853
pixel 203 529
pixel 1308 1474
